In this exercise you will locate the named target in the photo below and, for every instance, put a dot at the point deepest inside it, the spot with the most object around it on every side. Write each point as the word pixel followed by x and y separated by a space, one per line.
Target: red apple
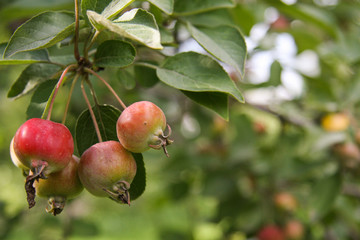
pixel 270 232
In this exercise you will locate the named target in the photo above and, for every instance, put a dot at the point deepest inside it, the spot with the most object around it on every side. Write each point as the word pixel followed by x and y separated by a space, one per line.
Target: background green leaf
pixel 114 53
pixel 185 7
pixel 32 76
pixel 137 24
pixel 41 31
pixel 194 72
pixel 23 57
pixel 211 18
pixel 324 194
pixel 229 46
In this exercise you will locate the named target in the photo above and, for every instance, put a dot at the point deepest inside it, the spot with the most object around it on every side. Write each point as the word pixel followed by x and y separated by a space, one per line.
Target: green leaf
pixel 194 72
pixel 324 194
pixel 224 42
pixel 32 76
pixel 107 8
pixel 115 7
pixel 23 57
pixel 114 53
pixel 146 76
pixel 187 7
pixel 138 185
pixel 216 101
pixel 211 18
pixel 126 78
pixel 85 134
pixel 41 31
pixel 309 13
pixel 165 5
pixel 40 98
pixel 136 24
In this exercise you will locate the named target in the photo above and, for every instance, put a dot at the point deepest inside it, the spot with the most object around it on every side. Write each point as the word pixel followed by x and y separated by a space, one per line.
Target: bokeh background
pixel 222 178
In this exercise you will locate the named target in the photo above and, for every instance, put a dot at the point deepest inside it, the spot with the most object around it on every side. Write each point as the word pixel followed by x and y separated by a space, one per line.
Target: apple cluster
pixel 44 150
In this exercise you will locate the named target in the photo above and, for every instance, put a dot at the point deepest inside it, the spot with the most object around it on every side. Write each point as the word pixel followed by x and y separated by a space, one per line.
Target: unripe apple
pixel 294 230
pixel 349 154
pixel 285 201
pixel 270 232
pixel 335 122
pixel 44 147
pixel 107 169
pixel 141 126
pixel 60 186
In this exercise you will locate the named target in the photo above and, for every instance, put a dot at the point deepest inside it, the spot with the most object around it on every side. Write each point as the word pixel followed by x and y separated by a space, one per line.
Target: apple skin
pixel 294 230
pixel 270 232
pixel 285 201
pixel 16 160
pixel 335 122
pixel 104 165
pixel 141 125
pixel 64 183
pixel 42 142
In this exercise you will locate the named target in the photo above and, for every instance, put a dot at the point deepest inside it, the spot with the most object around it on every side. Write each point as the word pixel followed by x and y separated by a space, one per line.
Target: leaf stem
pixel 96 126
pixel 69 97
pixel 54 93
pixel 87 48
pixel 88 70
pixel 76 44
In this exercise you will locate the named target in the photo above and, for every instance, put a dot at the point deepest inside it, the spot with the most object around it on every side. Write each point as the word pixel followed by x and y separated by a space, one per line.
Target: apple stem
pixel 107 85
pixel 69 98
pixel 76 44
pixel 96 126
pixel 58 85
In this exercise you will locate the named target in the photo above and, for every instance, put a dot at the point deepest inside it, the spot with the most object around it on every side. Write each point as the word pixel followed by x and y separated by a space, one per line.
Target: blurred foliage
pixel 221 178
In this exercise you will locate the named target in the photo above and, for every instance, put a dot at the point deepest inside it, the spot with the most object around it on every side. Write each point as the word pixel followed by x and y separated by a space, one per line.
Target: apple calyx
pixel 34 174
pixel 163 141
pixel 119 192
pixel 56 205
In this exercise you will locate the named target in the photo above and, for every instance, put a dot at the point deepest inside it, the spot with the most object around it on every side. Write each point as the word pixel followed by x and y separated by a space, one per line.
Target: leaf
pixel 126 78
pixel 218 102
pixel 136 24
pixel 165 5
pixel 85 134
pixel 115 7
pixel 187 7
pixel 146 76
pixel 309 13
pixel 32 76
pixel 194 72
pixel 41 31
pixel 324 194
pixel 40 98
pixel 23 57
pixel 114 53
pixel 138 185
pixel 211 19
pixel 224 42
